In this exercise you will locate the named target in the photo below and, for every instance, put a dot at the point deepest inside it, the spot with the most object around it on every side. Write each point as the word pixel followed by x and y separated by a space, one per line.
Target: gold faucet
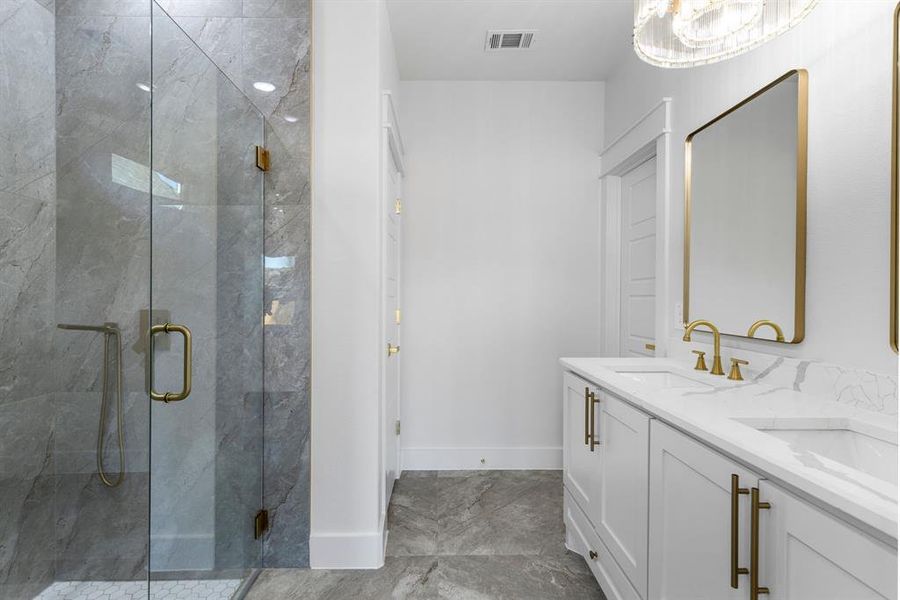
pixel 717 356
pixel 779 335
pixel 735 374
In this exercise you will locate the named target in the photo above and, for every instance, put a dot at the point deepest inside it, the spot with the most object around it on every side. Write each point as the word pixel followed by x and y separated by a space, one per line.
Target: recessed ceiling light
pixel 264 86
pixel 143 86
pixel 290 119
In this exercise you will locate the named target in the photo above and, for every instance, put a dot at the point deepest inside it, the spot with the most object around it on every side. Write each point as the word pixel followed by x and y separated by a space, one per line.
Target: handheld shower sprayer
pixel 111 335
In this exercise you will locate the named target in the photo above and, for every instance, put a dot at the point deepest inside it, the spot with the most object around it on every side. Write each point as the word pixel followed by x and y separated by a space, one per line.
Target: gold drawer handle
pixel 587 405
pixel 736 491
pixel 186 390
pixel 755 507
pixel 392 350
pixel 593 434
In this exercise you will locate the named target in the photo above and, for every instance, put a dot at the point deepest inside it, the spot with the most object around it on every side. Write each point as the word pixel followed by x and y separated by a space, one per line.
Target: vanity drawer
pixel 581 538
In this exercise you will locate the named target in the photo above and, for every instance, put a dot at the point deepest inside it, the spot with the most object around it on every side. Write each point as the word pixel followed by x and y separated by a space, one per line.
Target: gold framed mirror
pixel 745 215
pixel 895 185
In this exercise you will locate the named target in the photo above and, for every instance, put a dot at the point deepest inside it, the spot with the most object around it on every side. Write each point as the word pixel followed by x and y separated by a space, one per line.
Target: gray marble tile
pixel 219 38
pixel 563 577
pixel 101 531
pixel 276 8
pixel 107 8
pixel 505 512
pixel 413 517
pixel 275 51
pixel 26 93
pixel 202 8
pixel 287 482
pixel 418 474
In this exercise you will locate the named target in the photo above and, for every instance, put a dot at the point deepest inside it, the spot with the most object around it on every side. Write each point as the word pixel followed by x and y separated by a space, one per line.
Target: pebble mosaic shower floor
pixel 216 589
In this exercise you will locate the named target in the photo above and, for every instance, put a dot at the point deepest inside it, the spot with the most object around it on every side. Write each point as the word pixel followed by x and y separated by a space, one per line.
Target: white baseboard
pixel 356 550
pixel 447 459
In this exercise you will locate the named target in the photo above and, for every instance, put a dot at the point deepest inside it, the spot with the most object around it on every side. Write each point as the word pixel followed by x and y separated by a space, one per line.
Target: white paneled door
pixel 638 270
pixel 392 206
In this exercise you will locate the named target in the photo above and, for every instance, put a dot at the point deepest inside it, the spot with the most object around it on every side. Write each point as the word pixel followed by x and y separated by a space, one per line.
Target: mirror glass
pixel 895 189
pixel 745 214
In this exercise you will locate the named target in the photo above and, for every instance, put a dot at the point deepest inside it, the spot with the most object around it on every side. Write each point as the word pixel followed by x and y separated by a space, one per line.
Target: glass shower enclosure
pixel 131 308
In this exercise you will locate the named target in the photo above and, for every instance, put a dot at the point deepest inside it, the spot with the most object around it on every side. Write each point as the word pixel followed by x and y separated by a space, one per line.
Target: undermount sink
pixel 839 441
pixel 665 379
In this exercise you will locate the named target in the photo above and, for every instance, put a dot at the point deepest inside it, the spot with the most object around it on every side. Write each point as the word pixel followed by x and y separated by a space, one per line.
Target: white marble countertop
pixel 712 415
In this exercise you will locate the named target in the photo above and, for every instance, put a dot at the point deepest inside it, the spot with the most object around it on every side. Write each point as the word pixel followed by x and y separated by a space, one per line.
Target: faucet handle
pixel 701 361
pixel 735 374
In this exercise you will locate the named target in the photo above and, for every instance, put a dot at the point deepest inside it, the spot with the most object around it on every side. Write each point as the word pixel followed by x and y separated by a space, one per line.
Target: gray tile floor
pixel 459 535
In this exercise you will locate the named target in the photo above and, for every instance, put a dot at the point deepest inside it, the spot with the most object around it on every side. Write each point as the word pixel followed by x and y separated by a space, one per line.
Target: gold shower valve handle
pixel 187 366
pixel 735 374
pixel 701 360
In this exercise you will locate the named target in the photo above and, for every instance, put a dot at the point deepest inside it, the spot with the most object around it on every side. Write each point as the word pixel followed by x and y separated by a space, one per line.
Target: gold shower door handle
pixel 186 389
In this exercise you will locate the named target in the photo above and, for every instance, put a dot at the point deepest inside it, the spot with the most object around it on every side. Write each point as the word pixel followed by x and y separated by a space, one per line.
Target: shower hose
pixel 112 336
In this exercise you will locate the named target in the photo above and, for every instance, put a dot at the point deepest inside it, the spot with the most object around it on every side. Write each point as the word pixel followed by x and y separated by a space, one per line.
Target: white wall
pixel 846 46
pixel 500 262
pixel 348 52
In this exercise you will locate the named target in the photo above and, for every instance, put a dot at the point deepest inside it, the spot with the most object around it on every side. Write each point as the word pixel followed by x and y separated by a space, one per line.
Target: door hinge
pixel 397 316
pixel 398 206
pixel 260 524
pixel 262 158
pixel 397 427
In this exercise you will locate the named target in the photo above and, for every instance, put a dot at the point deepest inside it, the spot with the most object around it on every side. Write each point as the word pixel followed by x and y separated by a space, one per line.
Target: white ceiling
pixel 578 40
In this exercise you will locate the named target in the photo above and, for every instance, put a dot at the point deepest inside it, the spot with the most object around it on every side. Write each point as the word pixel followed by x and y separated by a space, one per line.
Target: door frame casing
pixel 391 157
pixel 647 138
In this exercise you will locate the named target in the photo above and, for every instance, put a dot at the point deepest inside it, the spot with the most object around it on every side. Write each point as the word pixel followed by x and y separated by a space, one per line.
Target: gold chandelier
pixel 687 33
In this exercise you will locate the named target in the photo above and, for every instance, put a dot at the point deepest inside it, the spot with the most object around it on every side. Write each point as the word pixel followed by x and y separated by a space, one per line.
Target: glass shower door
pixel 206 315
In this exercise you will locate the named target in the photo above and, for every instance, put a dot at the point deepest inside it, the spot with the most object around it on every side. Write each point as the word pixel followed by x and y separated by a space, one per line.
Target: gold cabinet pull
pixel 736 491
pixel 650 347
pixel 188 351
pixel 587 402
pixel 593 434
pixel 392 350
pixel 755 507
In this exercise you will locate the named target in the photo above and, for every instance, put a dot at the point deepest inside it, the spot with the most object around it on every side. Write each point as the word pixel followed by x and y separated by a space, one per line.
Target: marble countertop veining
pixel 713 415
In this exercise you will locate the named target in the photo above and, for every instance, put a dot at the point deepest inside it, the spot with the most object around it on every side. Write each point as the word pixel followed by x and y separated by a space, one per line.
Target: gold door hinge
pixel 397 316
pixel 262 158
pixel 397 427
pixel 398 206
pixel 260 524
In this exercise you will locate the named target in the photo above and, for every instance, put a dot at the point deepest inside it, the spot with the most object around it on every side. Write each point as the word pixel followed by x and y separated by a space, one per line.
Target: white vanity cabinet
pixel 690 520
pixel 607 483
pixel 807 554
pixel 621 497
pixel 659 515
pixel 580 461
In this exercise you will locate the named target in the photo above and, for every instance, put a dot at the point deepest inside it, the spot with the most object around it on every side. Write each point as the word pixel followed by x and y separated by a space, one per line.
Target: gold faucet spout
pixel 779 335
pixel 717 354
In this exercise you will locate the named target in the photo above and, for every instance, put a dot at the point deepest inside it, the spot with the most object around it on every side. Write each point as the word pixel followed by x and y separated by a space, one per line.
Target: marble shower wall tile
pixel 27 224
pixel 201 8
pixel 102 268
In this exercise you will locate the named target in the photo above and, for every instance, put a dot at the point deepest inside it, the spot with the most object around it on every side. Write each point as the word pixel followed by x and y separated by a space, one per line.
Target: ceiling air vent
pixel 518 39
